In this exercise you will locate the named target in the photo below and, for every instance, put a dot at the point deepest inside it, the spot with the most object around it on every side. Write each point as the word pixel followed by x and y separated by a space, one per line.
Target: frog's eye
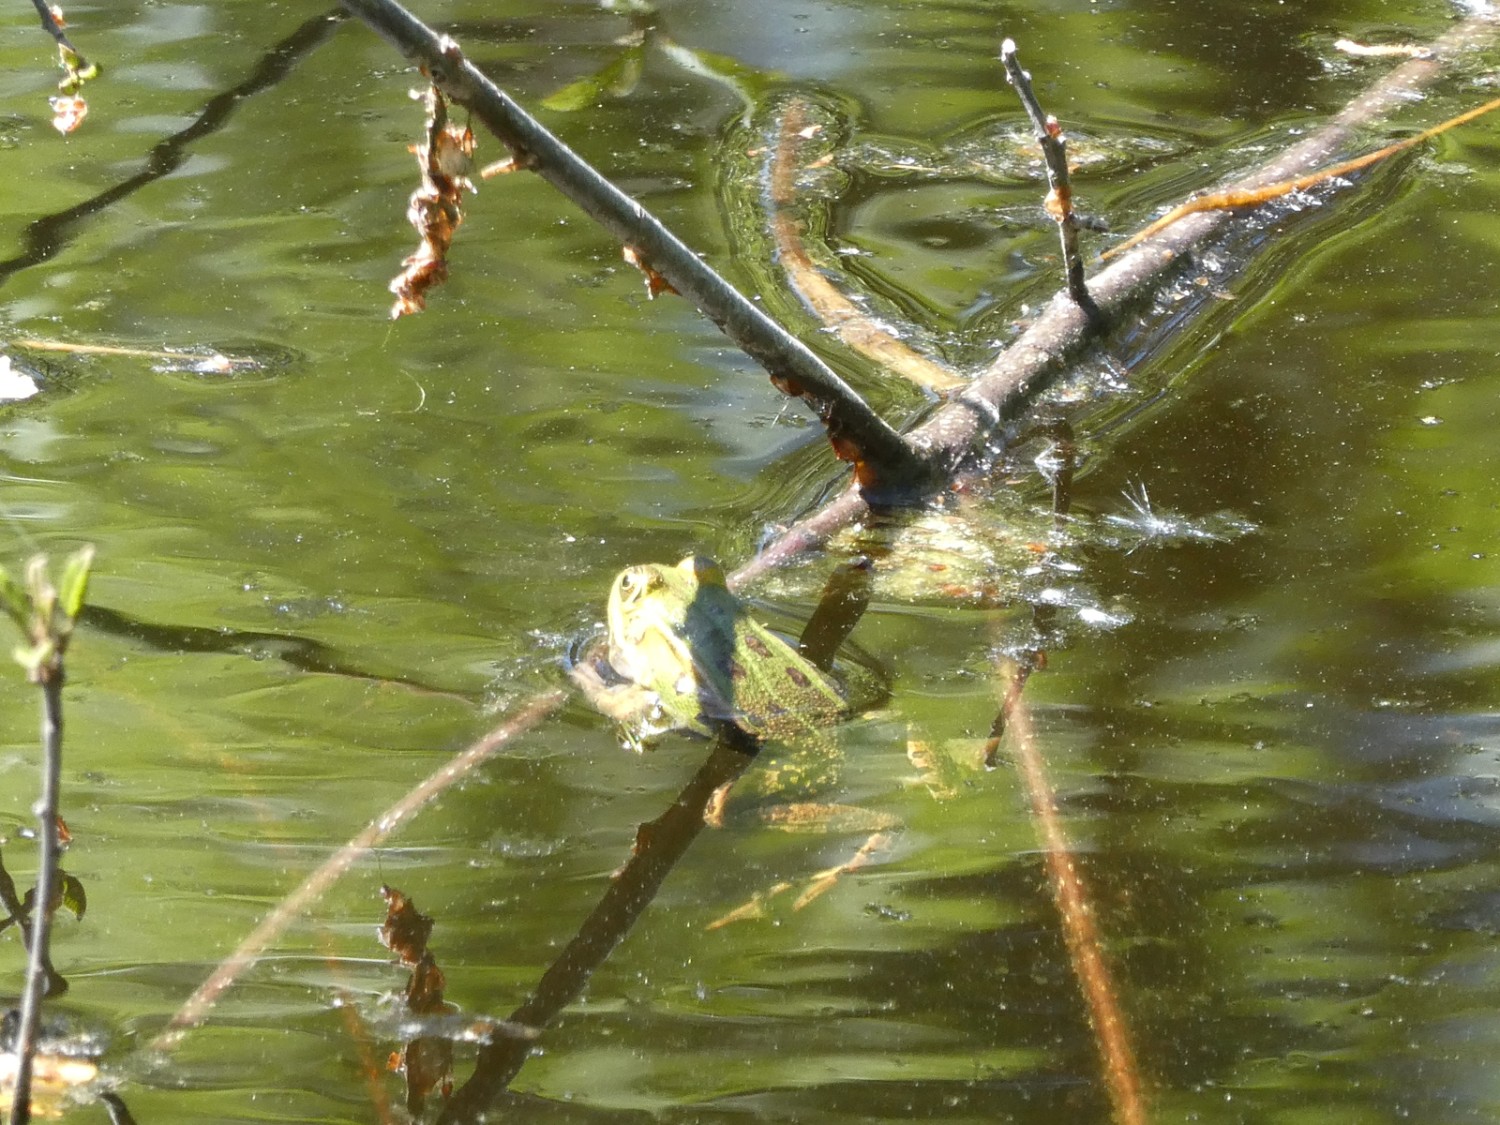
pixel 634 583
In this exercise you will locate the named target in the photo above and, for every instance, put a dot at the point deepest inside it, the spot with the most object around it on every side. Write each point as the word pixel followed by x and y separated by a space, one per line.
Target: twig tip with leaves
pixel 68 108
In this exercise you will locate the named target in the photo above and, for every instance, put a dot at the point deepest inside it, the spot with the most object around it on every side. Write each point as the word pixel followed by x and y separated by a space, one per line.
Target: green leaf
pixel 73 896
pixel 75 581
pixel 615 80
pixel 32 657
pixel 14 601
pixel 43 593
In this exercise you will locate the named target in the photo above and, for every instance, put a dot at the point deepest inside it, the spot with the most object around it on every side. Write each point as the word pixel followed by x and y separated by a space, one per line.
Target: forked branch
pixel 969 428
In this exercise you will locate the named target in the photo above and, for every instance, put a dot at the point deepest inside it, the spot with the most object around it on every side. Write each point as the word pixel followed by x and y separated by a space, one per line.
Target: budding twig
pixel 1060 196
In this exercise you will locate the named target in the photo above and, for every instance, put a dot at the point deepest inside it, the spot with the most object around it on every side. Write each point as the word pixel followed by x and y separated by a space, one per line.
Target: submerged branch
pixel 791 134
pixel 1070 895
pixel 969 428
pixel 658 847
pixel 886 463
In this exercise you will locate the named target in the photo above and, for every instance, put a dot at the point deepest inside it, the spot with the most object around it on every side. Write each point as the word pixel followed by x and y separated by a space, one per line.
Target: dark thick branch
pixel 886 464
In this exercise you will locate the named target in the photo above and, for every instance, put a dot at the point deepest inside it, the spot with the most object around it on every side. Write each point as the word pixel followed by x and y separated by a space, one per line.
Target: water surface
pixel 1281 773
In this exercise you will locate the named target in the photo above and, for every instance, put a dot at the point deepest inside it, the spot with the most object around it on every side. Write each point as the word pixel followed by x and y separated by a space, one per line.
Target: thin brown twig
pixel 1059 204
pixel 1238 199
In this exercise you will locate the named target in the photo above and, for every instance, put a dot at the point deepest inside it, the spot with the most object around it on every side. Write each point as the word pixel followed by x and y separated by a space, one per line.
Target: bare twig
pixel 1237 199
pixel 46 615
pixel 1060 196
pixel 886 464
pixel 48 849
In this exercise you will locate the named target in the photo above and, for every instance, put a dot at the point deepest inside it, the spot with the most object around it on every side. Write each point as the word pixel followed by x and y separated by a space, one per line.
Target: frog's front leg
pixel 620 700
pixel 637 709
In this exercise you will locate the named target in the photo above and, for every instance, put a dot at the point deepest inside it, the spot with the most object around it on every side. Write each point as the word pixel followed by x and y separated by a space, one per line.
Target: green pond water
pixel 1277 753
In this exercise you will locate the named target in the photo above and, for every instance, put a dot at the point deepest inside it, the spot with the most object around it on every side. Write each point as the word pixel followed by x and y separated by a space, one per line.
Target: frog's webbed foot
pixel 881 830
pixel 821 883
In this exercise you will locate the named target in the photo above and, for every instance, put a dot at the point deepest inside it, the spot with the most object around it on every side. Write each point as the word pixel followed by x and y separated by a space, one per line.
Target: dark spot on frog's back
pixel 799 677
pixel 756 645
pixel 736 671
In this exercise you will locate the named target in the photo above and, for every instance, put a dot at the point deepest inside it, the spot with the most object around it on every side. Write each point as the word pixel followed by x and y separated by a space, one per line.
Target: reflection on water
pixel 315 581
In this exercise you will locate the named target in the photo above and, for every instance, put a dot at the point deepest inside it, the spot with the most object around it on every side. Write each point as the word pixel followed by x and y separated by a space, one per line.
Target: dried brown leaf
pixel 406 929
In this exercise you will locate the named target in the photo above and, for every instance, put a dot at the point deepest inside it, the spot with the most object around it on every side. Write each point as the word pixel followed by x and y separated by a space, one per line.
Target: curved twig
pixel 791 132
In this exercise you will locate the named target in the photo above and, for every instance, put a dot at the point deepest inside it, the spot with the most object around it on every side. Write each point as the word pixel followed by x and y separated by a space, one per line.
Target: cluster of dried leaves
pixel 426 1061
pixel 446 158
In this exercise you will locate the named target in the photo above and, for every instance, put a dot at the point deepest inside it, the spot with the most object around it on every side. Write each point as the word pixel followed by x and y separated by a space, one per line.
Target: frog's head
pixel 653 588
pixel 648 611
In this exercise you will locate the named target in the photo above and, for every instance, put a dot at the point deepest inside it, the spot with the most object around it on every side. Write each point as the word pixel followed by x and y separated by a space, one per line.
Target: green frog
pixel 688 655
pixel 685 654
